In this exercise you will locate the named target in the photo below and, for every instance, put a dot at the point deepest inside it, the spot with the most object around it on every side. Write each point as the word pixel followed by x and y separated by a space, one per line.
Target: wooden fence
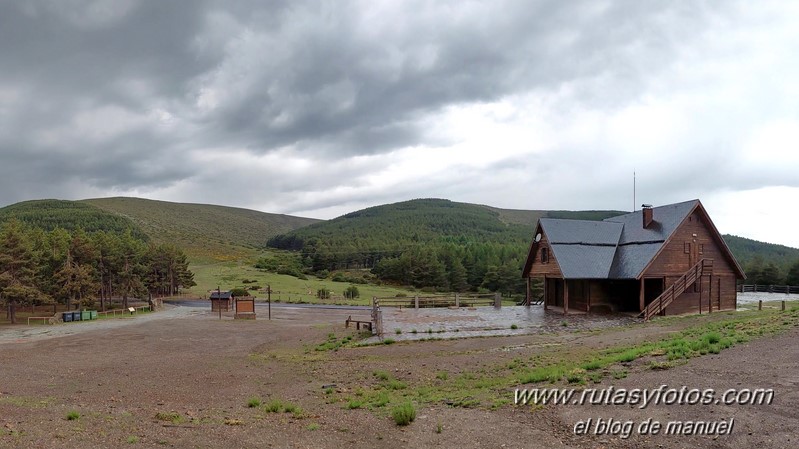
pixel 456 300
pixel 788 289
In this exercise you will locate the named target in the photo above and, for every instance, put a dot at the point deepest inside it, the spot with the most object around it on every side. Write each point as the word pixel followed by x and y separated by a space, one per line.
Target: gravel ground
pixel 124 377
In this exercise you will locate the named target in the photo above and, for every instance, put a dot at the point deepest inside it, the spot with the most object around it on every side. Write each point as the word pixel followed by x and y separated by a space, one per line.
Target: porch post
pixel 527 293
pixel 641 296
pixel 565 297
pixel 546 293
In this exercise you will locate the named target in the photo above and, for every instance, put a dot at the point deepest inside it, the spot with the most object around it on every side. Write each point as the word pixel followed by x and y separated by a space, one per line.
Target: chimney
pixel 647 214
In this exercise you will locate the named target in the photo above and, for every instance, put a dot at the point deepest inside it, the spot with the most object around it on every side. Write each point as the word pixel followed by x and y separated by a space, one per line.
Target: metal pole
pixel 269 299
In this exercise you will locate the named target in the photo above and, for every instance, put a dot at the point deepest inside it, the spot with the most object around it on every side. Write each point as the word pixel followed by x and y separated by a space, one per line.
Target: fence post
pixel 416 301
pixel 783 305
pixel 457 300
pixel 497 300
pixel 759 304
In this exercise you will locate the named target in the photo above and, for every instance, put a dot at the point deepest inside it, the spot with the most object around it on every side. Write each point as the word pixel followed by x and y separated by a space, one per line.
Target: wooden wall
pixel 692 241
pixel 550 269
pixel 684 250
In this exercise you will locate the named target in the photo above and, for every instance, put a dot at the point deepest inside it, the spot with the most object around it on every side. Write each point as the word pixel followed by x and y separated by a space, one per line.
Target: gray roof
pixel 616 248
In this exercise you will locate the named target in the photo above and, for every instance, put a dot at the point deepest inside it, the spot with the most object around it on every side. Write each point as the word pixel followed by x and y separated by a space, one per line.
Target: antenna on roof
pixel 634 203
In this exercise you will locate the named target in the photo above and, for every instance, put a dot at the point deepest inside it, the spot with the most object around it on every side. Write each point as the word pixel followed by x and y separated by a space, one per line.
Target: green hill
pixel 754 256
pixel 69 215
pixel 206 232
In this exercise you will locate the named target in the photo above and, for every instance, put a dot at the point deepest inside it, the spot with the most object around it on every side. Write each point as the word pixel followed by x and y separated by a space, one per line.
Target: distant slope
pixel 424 220
pixel 69 215
pixel 526 217
pixel 206 232
pixel 407 223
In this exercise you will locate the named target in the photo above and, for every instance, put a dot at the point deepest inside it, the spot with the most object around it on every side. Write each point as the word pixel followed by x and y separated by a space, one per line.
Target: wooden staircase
pixel 703 267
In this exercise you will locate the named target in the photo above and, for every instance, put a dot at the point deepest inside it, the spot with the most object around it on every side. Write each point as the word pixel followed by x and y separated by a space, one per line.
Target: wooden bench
pixel 366 323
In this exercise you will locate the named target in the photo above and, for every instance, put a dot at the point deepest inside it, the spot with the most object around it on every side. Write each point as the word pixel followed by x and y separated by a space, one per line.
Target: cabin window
pixel 687 248
pixel 701 248
pixel 544 255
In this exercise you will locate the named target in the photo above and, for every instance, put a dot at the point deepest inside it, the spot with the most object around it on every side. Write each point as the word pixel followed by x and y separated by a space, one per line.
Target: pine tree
pixel 17 270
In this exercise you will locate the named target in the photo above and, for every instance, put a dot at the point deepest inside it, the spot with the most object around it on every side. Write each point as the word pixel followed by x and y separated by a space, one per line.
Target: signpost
pixel 219 300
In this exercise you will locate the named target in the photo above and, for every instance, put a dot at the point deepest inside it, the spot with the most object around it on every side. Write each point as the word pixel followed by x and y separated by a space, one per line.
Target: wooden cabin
pixel 666 260
pixel 221 300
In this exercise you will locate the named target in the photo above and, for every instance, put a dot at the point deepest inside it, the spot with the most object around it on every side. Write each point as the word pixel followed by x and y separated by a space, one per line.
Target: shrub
pixel 404 414
pixel 514 327
pixel 239 291
pixel 73 415
pixel 323 293
pixel 254 402
pixel 352 292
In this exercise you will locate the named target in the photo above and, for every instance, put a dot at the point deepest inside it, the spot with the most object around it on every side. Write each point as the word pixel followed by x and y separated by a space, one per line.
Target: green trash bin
pixel 93 314
pixel 85 315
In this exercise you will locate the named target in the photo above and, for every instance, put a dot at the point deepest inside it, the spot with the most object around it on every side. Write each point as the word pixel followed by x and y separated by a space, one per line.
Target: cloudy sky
pixel 322 107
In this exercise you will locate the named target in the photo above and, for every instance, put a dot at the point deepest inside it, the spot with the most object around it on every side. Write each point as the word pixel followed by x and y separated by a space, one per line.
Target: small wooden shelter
pixel 665 260
pixel 221 301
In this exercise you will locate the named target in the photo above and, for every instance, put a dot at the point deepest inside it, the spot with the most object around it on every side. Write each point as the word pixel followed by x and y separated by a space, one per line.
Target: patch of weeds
pixel 414 331
pixel 389 341
pixel 564 323
pixel 397 331
pixel 133 439
pixel 514 327
pixel 73 415
pixel 429 331
pixel 173 417
pixel 254 402
pixel 576 376
pixel 657 366
pixel 233 422
pixel 596 377
pixel 381 400
pixel 394 384
pixel 274 406
pixel 551 373
pixel 403 414
pixel 620 374
pixel 442 375
pixel 593 365
pixel 313 426
pixel 381 375
pixel 330 390
pixel 354 403
pixel 439 428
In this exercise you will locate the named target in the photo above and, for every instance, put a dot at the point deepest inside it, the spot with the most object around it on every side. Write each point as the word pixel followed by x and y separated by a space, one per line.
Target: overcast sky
pixel 320 108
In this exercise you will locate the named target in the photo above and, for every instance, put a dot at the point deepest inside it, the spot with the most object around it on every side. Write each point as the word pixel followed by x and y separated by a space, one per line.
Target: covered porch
pixel 600 295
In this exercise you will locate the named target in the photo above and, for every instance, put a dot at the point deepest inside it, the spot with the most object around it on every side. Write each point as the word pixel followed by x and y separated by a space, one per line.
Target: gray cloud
pixel 313 103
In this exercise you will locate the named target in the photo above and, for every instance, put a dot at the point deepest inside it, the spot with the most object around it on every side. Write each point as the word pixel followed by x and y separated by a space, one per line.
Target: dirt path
pixel 25 334
pixel 126 381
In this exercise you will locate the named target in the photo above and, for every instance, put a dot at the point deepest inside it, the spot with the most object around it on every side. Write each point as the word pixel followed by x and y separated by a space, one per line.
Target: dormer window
pixel 544 255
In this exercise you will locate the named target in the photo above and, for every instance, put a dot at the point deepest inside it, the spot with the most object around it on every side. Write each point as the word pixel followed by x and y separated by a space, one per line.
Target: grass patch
pixel 389 341
pixel 382 375
pixel 173 417
pixel 354 403
pixel 73 415
pixel 514 327
pixel 254 402
pixel 133 439
pixel 313 426
pixel 403 414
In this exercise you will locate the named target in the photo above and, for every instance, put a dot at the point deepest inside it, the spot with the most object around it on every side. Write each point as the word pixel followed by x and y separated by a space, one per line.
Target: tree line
pixel 76 267
pixel 769 273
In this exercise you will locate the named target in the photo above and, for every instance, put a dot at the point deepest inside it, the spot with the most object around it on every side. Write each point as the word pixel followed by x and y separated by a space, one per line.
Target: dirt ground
pixel 124 376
